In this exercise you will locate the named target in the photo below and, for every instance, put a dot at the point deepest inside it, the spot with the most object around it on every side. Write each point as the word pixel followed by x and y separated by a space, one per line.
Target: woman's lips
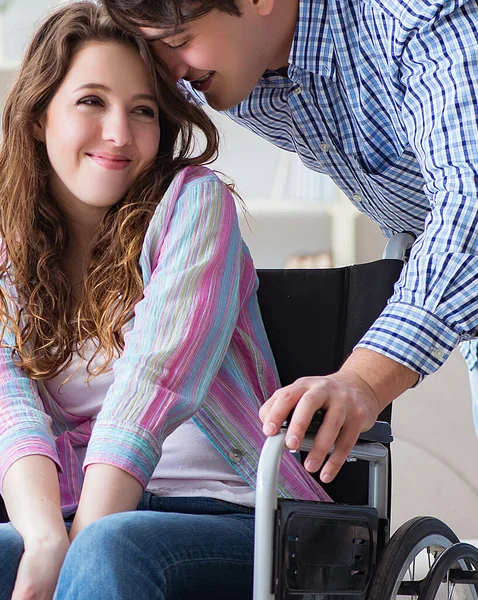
pixel 108 161
pixel 202 85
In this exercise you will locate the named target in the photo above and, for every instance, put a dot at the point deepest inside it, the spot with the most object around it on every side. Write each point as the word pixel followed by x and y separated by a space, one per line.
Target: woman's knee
pixel 157 556
pixel 107 555
pixel 104 537
pixel 11 552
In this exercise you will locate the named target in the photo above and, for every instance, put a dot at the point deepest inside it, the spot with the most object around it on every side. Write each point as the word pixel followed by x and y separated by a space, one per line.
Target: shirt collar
pixel 312 47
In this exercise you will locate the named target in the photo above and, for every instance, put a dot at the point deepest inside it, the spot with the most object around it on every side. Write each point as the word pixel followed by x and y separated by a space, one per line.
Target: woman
pixel 131 333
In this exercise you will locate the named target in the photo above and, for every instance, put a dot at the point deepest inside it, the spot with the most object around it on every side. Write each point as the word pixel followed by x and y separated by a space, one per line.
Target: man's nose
pixel 172 59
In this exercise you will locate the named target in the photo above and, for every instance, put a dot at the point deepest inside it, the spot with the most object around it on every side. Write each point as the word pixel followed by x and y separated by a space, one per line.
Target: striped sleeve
pixel 182 328
pixel 25 427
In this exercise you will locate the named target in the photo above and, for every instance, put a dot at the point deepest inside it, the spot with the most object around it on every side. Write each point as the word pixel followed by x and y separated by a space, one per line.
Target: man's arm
pixel 435 303
pixel 352 398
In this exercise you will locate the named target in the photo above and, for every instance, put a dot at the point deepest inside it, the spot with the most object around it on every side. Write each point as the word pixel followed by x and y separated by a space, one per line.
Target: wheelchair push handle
pixel 399 246
pixel 381 432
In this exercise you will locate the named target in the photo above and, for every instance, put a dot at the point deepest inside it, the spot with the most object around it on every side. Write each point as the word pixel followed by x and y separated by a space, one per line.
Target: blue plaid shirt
pixel 382 95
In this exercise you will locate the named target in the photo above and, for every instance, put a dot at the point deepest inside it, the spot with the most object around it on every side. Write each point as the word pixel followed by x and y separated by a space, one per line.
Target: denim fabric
pixel 169 548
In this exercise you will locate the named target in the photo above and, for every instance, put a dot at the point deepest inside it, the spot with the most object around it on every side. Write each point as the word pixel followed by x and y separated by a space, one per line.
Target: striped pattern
pixel 382 95
pixel 197 348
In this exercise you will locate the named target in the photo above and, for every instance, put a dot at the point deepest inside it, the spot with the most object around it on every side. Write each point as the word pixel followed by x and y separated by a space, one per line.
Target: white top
pixel 190 465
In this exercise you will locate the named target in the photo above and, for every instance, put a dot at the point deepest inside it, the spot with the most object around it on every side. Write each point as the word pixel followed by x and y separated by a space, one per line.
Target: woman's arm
pixel 182 329
pixel 29 479
pixel 25 427
pixel 120 492
pixel 32 498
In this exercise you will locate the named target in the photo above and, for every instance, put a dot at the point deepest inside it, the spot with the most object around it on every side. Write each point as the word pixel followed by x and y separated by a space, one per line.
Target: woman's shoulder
pixel 199 176
pixel 196 194
pixel 198 185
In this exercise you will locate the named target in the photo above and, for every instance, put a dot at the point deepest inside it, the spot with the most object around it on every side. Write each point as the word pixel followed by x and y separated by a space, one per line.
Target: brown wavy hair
pixel 167 14
pixel 36 304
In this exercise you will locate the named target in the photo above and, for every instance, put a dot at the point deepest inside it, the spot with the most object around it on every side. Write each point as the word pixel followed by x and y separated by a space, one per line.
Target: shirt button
pixel 324 147
pixel 235 455
pixel 297 90
pixel 357 197
pixel 438 352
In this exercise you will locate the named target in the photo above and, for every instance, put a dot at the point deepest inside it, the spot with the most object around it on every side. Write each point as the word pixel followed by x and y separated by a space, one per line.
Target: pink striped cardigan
pixel 197 349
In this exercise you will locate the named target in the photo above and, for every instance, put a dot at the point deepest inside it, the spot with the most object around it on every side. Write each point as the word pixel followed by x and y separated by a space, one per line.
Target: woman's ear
pixel 39 130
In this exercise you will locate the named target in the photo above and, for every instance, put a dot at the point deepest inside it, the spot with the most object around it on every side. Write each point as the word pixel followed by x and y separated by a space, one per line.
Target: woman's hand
pixel 39 569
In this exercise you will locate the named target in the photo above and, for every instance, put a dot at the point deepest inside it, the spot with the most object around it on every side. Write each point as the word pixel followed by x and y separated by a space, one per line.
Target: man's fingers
pixel 274 412
pixel 343 446
pixel 325 438
pixel 309 404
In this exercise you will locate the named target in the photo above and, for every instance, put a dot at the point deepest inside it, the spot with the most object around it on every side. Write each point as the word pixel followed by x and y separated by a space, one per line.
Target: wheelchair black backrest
pixel 313 319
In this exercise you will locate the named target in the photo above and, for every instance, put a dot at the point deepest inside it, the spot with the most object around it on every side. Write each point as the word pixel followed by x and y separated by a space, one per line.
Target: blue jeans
pixel 169 548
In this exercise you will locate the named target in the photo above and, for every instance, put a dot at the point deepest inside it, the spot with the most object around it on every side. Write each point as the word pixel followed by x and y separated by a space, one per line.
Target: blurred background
pixel 297 218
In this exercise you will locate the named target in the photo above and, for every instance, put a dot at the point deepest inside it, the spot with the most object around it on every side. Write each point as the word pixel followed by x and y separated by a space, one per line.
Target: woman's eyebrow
pixel 105 88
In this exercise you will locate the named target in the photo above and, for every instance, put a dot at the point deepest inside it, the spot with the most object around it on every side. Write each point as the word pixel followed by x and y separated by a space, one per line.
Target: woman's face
pixel 101 128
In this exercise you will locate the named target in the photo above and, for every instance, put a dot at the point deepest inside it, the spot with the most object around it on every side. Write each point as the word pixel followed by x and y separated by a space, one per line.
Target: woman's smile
pixel 114 162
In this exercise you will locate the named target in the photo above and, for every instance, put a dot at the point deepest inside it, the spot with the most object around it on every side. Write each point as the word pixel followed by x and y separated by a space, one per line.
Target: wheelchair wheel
pixel 407 559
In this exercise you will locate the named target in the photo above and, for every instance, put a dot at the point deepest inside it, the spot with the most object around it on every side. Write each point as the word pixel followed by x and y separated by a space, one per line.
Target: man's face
pixel 222 55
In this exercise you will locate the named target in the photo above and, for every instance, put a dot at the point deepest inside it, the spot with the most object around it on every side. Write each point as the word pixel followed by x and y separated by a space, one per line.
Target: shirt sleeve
pixel 435 304
pixel 25 427
pixel 182 329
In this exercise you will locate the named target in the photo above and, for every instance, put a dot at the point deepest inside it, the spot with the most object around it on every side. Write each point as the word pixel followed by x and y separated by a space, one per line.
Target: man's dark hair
pixel 165 14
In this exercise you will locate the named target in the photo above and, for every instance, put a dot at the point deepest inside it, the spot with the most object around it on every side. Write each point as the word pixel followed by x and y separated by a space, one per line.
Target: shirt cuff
pixel 126 446
pixel 411 336
pixel 25 440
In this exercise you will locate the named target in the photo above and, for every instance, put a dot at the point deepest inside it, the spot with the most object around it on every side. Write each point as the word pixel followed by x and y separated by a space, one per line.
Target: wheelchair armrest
pixel 381 432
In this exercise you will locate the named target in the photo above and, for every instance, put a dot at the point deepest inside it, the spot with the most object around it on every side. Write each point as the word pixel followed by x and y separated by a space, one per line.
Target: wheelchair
pixel 343 550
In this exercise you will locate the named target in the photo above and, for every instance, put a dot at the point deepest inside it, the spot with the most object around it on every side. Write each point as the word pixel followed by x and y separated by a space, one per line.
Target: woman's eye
pixel 146 113
pixel 90 101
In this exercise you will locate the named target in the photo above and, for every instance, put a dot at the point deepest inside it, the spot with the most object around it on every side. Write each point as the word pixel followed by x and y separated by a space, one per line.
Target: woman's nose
pixel 117 127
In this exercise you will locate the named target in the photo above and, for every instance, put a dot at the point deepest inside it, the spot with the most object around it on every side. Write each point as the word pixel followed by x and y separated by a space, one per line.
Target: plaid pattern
pixel 382 96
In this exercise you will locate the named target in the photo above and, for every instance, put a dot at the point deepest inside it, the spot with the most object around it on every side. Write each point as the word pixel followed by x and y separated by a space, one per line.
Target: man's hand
pixel 352 399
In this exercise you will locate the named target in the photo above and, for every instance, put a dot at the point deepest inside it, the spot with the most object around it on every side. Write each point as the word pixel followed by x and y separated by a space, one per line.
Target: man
pixel 383 96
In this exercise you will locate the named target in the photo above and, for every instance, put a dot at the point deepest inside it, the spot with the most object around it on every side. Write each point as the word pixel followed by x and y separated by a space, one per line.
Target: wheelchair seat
pixel 342 551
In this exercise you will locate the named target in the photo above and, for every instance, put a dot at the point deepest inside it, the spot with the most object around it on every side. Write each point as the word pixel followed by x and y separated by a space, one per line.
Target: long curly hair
pixel 35 293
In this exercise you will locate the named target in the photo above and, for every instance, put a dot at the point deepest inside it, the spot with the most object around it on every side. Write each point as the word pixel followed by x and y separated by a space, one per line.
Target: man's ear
pixel 264 7
pixel 39 130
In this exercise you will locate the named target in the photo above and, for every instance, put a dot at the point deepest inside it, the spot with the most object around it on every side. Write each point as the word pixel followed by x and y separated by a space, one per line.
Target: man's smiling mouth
pixel 203 83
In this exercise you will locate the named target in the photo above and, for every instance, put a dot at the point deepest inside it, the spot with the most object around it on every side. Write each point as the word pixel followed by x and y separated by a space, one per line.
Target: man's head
pixel 221 46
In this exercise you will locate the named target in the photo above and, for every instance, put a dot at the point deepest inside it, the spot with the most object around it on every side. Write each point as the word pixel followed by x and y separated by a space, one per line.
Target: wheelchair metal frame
pixel 455 562
pixel 376 454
